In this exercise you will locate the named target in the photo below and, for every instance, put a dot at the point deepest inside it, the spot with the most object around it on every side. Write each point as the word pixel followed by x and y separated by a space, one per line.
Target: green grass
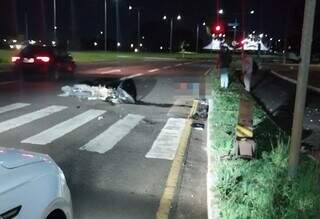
pixel 5 55
pixel 259 188
pixel 91 56
pixel 96 56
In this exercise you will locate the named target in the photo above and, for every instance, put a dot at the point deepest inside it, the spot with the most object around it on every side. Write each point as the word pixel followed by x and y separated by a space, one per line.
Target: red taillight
pixel 15 58
pixel 43 58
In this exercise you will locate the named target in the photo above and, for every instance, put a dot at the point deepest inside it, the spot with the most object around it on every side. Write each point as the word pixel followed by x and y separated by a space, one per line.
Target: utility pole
pixel 105 25
pixel 171 34
pixel 197 43
pixel 139 27
pixel 54 20
pixel 27 26
pixel 302 83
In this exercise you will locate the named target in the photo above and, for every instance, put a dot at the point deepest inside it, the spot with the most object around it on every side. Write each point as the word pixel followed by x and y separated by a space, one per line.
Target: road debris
pixel 113 95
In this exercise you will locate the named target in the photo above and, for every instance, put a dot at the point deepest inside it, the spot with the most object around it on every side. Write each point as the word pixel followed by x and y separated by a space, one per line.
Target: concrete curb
pixel 166 201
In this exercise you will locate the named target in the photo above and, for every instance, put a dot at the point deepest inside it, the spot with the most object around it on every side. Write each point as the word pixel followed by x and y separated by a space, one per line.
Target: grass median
pixel 258 188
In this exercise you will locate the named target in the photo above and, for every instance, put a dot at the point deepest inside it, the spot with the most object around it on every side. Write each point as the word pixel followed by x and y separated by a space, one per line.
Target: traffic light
pixel 217 28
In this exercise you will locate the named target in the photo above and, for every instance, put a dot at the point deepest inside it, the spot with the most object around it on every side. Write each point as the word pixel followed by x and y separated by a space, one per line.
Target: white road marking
pixel 111 71
pixel 30 117
pixel 154 70
pixel 13 106
pixel 109 138
pixel 63 128
pixel 166 144
pixel 177 65
pixel 166 67
pixel 8 82
pixel 131 76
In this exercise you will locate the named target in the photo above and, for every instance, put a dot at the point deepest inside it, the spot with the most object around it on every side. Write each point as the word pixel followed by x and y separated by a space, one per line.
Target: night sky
pixel 270 17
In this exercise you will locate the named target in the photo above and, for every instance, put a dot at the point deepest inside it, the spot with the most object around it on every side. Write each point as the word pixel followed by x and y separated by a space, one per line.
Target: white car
pixel 32 186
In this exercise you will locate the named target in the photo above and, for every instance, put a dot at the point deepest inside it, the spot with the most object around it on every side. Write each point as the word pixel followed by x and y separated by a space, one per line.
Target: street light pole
pixel 105 25
pixel 139 27
pixel 54 20
pixel 171 34
pixel 27 26
pixel 197 43
pixel 305 53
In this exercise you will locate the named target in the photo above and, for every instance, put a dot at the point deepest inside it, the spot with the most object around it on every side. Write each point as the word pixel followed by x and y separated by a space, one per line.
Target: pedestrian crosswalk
pixel 164 146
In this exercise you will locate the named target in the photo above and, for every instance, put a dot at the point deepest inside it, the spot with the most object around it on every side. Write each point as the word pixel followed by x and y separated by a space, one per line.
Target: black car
pixel 38 60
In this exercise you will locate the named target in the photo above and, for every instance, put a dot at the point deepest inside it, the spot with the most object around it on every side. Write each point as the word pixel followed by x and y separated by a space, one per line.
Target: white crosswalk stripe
pixel 30 117
pixel 109 138
pixel 13 106
pixel 166 144
pixel 63 128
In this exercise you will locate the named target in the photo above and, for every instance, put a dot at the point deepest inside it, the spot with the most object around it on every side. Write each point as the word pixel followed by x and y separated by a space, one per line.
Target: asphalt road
pixel 112 155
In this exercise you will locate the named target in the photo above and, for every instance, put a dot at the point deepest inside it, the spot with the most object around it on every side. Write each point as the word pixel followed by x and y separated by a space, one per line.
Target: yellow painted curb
pixel 172 181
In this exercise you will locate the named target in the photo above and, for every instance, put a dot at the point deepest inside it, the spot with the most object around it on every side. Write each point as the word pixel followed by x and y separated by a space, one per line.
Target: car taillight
pixel 15 58
pixel 43 58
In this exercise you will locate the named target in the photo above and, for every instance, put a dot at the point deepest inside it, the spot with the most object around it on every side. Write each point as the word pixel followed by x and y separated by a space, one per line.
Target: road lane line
pixel 111 71
pixel 30 117
pixel 153 70
pixel 109 138
pixel 13 106
pixel 316 89
pixel 166 144
pixel 176 168
pixel 8 82
pixel 166 67
pixel 63 128
pixel 131 76
pixel 177 65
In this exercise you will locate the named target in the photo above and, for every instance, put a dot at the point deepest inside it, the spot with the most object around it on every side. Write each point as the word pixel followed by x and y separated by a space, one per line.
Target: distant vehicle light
pixel 136 50
pixel 11 46
pixel 32 42
pixel 18 46
pixel 15 58
pixel 131 45
pixel 43 58
pixel 14 41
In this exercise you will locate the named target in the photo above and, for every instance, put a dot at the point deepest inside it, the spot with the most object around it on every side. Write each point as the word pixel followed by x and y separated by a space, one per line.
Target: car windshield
pixel 159 109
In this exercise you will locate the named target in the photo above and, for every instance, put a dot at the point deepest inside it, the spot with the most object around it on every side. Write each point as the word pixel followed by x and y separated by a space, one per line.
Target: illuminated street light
pixel 136 50
pixel 101 32
pixel 234 27
pixel 221 11
pixel 4 40
pixel 204 24
pixel 253 32
pixel 143 37
pixel 179 17
pixel 252 12
pixel 271 39
pixel 140 45
pixel 131 45
pixel 164 17
pixel 279 40
pixel 118 44
pixel 55 27
pixel 261 35
pixel 161 47
pixel 130 7
pixel 95 44
pixel 14 41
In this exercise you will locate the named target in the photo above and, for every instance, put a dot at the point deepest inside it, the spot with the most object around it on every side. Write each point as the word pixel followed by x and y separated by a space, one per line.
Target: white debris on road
pixel 83 91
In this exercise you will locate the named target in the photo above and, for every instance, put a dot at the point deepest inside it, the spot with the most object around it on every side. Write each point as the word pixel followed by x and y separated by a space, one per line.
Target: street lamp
pixel 252 12
pixel 54 20
pixel 138 9
pixel 220 11
pixel 198 28
pixel 204 24
pixel 179 17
